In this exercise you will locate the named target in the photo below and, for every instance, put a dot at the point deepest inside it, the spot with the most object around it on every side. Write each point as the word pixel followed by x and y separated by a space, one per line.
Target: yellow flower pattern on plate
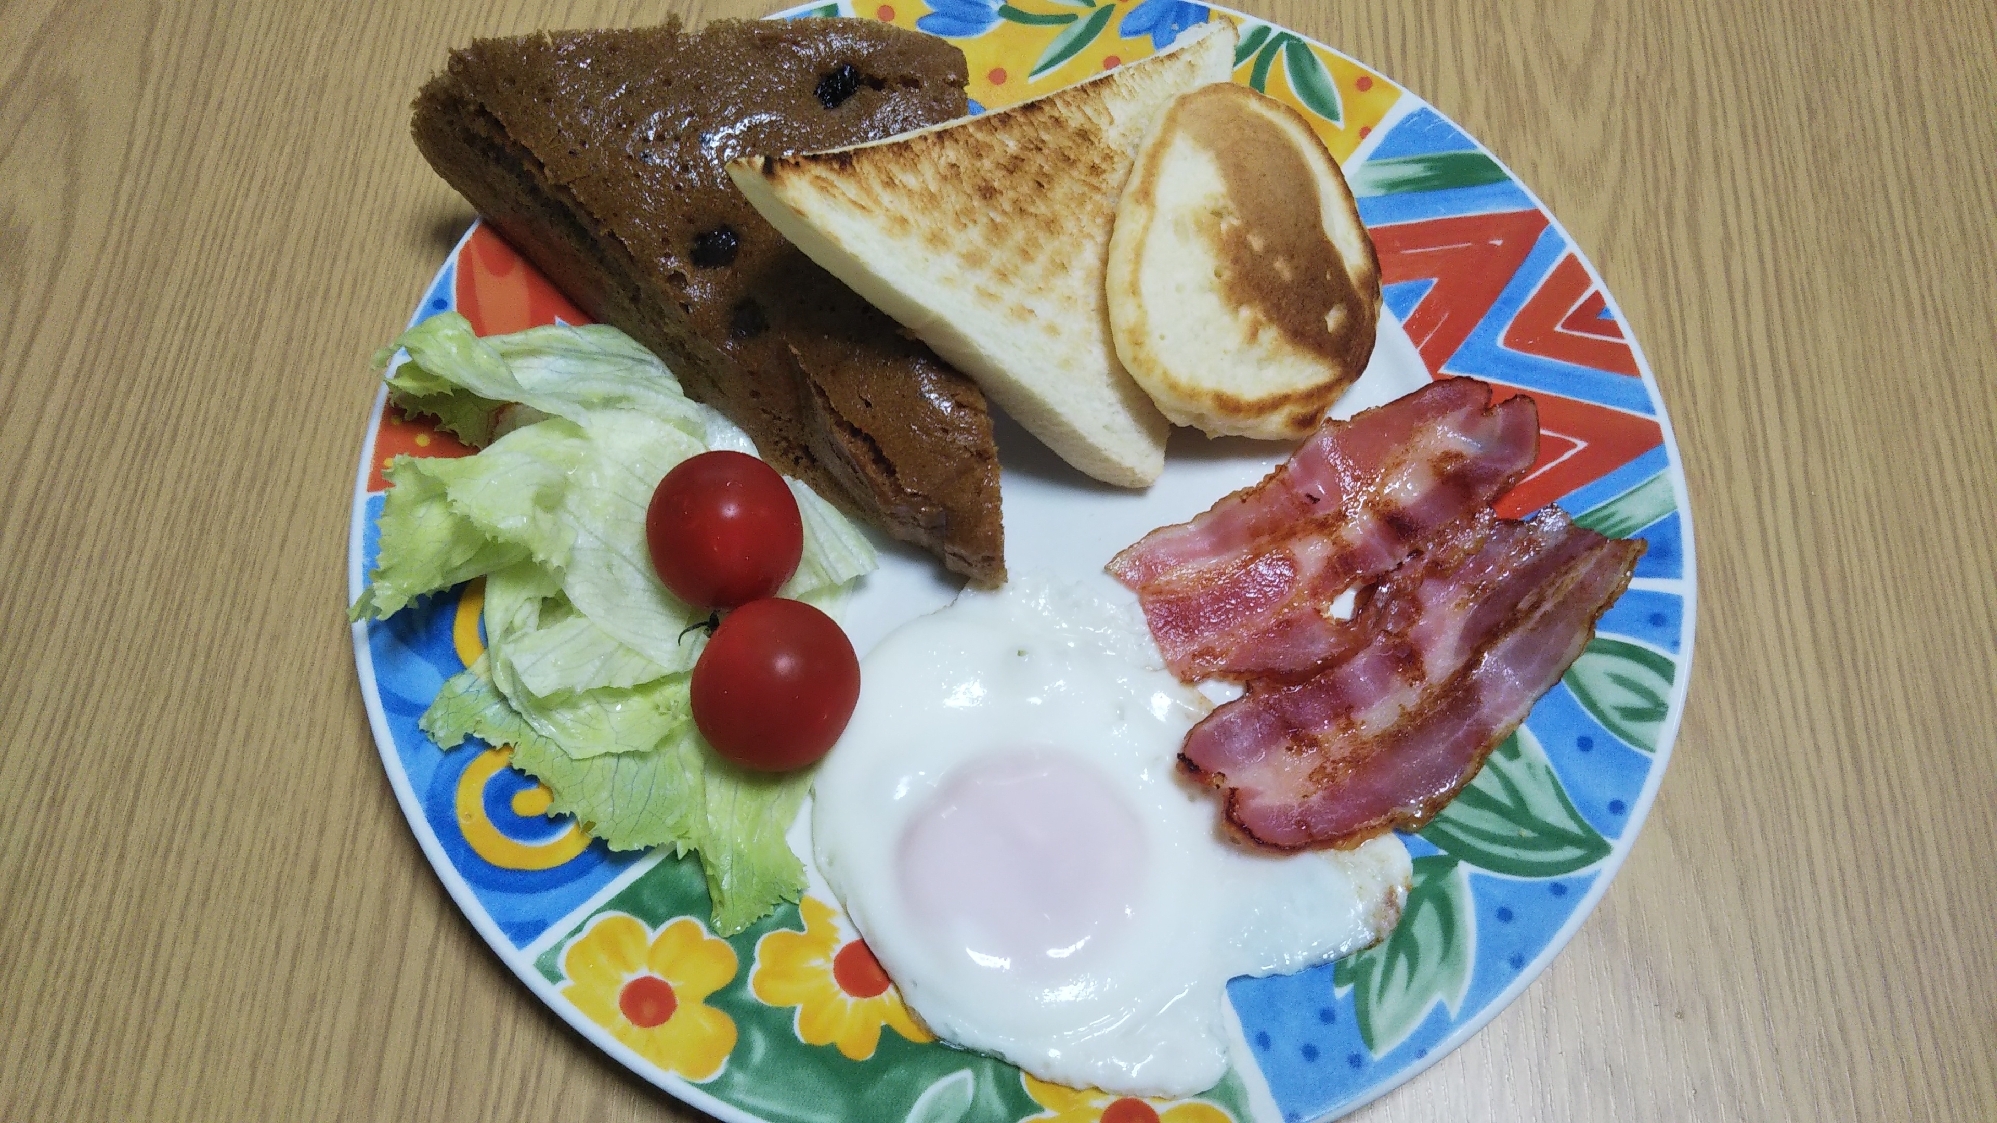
pixel 1087 1105
pixel 842 996
pixel 1001 58
pixel 650 990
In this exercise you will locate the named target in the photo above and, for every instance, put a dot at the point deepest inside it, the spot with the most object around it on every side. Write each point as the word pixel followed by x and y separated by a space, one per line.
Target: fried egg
pixel 1005 823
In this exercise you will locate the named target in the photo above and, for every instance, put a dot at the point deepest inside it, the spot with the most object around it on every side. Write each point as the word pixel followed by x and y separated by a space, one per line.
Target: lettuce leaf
pixel 447 520
pixel 426 544
pixel 749 866
pixel 610 576
pixel 567 651
pixel 682 795
pixel 417 386
pixel 469 705
pixel 588 656
pixel 515 490
pixel 584 718
pixel 561 371
pixel 835 551
pixel 579 372
pixel 609 719
pixel 468 417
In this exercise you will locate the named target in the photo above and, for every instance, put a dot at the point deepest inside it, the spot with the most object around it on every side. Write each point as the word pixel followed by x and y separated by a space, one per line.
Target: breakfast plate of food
pixel 965 562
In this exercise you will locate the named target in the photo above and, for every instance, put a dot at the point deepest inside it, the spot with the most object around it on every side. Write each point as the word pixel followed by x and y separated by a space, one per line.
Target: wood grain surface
pixel 211 214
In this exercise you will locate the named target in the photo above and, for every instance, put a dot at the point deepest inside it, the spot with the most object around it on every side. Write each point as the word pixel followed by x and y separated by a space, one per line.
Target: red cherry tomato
pixel 775 686
pixel 724 530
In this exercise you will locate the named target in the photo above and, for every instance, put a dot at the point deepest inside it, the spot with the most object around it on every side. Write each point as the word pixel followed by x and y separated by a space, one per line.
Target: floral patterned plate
pixel 793 1021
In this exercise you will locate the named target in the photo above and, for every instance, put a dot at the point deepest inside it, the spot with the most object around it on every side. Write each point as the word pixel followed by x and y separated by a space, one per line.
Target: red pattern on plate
pixel 1471 258
pixel 499 292
pixel 1560 322
pixel 1579 443
pixel 399 436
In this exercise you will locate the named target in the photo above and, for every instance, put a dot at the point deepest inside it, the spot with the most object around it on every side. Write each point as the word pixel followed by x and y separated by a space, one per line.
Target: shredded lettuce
pixel 679 795
pixel 426 545
pixel 835 551
pixel 468 417
pixel 756 869
pixel 579 372
pixel 560 371
pixel 566 651
pixel 610 575
pixel 585 717
pixel 469 705
pixel 516 489
pixel 588 655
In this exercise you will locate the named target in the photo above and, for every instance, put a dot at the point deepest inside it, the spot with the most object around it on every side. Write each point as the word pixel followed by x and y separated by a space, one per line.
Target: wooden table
pixel 210 215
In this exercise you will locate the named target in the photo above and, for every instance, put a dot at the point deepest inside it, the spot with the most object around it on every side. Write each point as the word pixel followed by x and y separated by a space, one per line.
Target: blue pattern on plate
pixel 1656 619
pixel 442 294
pixel 1666 555
pixel 1597 770
pixel 413 655
pixel 1484 355
pixel 1423 132
pixel 1316 1065
pixel 1162 20
pixel 1402 296
pixel 1619 482
pixel 1416 206
pixel 959 19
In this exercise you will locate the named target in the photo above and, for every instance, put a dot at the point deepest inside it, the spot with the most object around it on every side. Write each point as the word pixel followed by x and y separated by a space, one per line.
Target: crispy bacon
pixel 1240 591
pixel 1460 642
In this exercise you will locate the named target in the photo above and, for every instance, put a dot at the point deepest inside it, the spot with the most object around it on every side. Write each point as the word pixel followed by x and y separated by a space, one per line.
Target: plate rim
pixel 523 966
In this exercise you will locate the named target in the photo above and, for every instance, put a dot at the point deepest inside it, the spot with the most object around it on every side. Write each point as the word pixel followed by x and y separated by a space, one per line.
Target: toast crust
pixel 987 238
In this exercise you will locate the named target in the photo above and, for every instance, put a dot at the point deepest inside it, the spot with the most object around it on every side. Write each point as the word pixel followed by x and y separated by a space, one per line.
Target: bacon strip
pixel 1462 641
pixel 1239 591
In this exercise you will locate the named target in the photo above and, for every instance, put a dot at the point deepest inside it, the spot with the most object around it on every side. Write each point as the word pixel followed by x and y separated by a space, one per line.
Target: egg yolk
pixel 1028 860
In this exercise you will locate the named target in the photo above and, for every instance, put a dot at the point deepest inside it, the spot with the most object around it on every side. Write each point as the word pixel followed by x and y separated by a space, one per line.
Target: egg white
pixel 1005 824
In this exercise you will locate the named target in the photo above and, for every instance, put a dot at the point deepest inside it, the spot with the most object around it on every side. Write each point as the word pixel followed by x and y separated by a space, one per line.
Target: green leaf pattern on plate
pixel 1516 819
pixel 1071 40
pixel 1434 171
pixel 1251 43
pixel 1310 80
pixel 1626 687
pixel 1265 59
pixel 1425 960
pixel 946 1101
pixel 1633 510
pixel 1035 19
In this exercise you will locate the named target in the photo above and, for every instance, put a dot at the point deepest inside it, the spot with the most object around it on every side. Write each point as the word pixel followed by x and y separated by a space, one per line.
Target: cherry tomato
pixel 724 530
pixel 776 685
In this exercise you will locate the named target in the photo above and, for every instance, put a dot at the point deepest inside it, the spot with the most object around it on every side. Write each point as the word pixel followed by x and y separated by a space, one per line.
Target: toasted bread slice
pixel 987 237
pixel 1243 292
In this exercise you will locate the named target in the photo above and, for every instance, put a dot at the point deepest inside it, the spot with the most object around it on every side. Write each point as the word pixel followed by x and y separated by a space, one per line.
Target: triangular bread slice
pixel 987 239
pixel 1244 294
pixel 599 155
